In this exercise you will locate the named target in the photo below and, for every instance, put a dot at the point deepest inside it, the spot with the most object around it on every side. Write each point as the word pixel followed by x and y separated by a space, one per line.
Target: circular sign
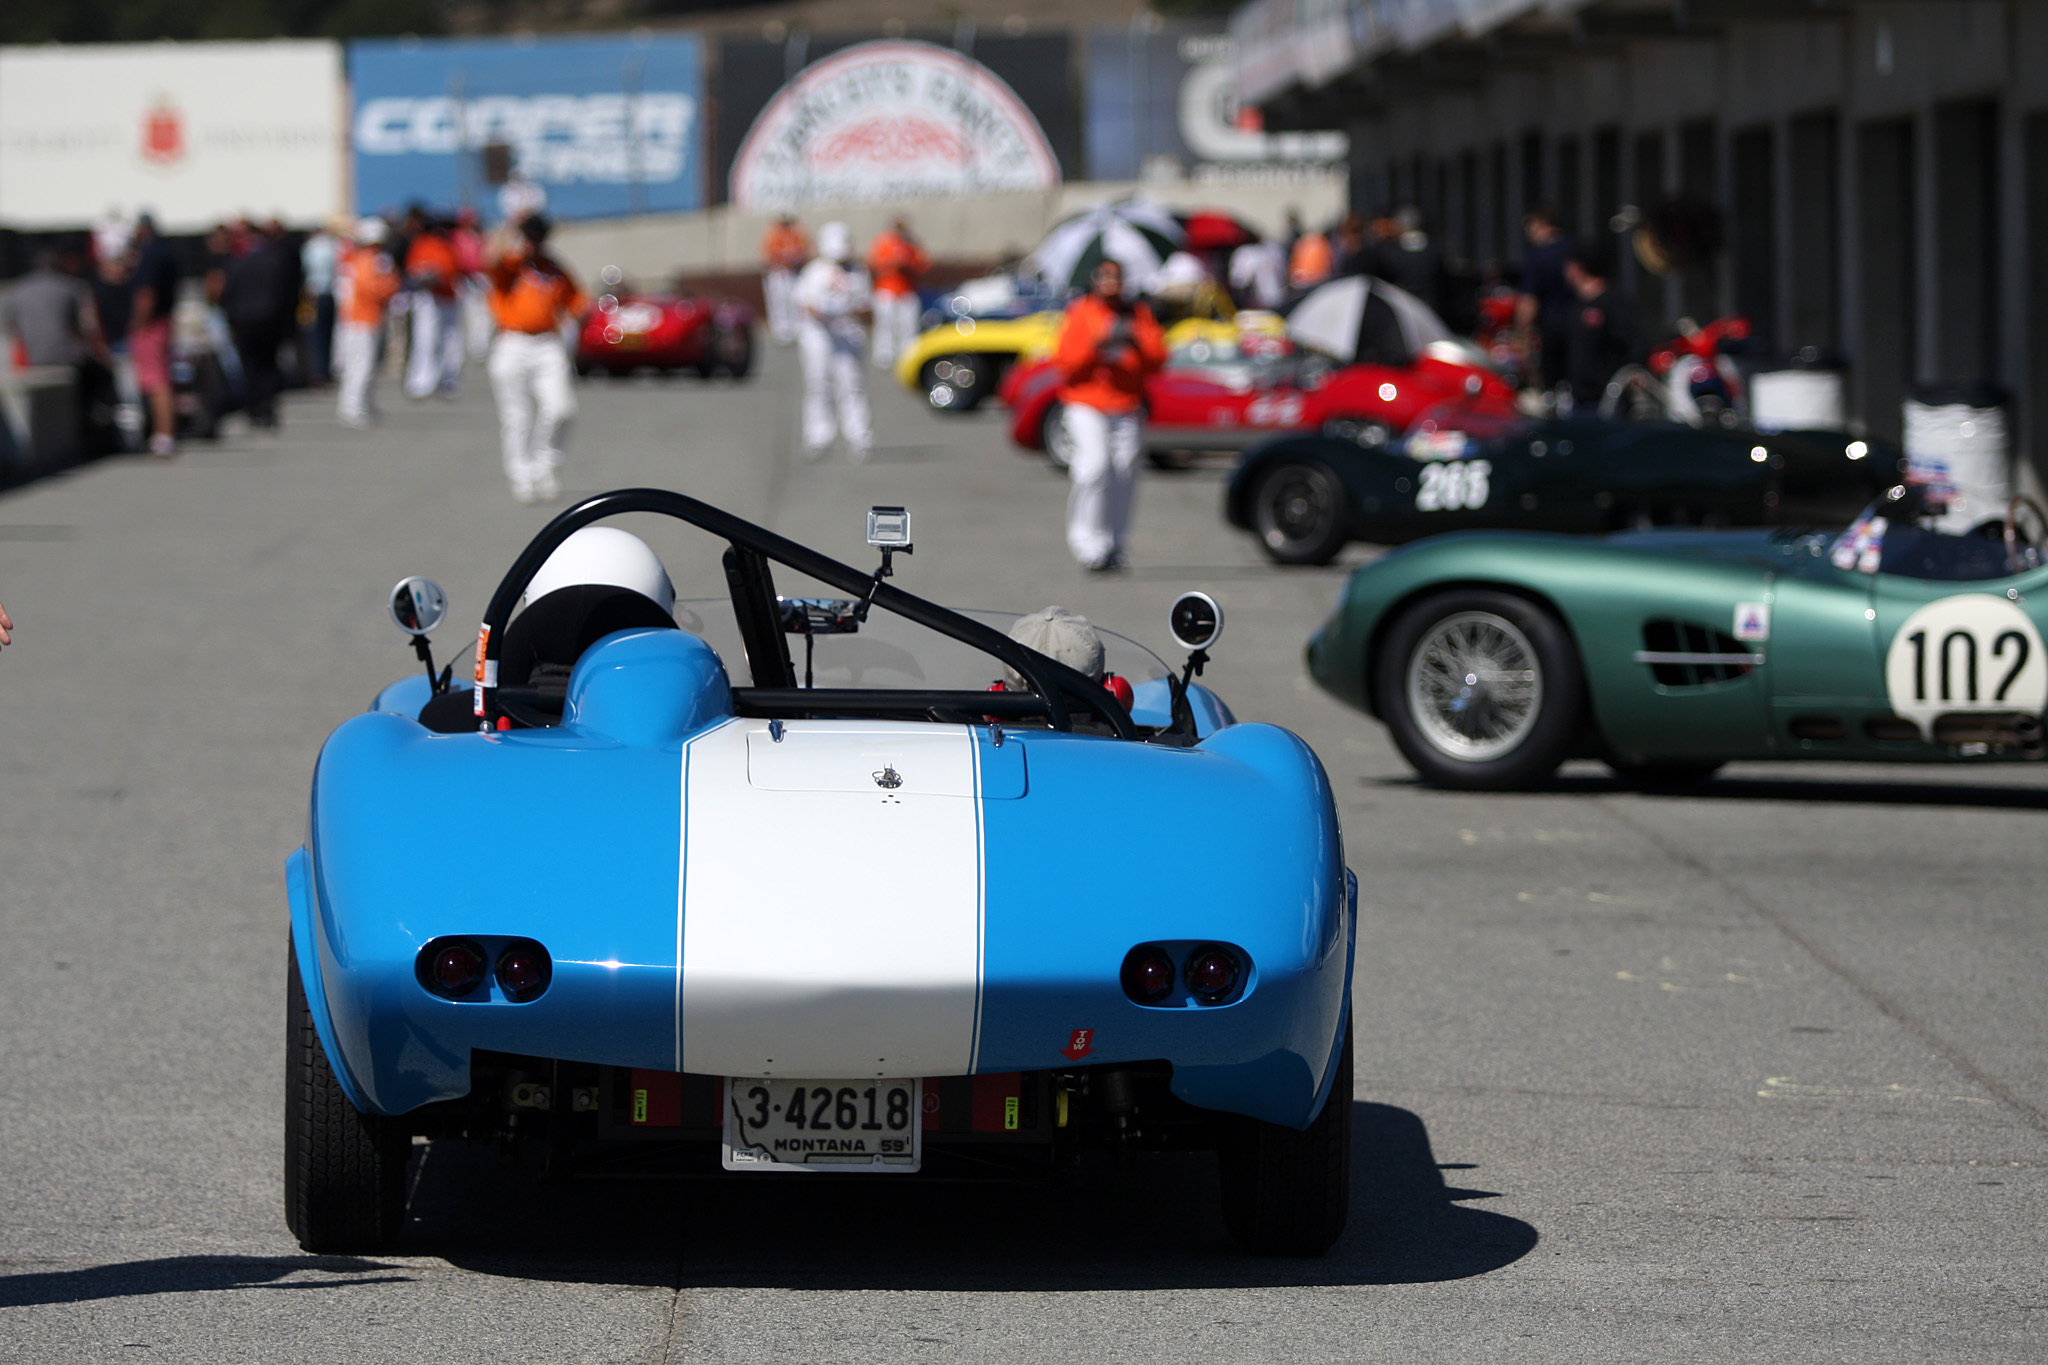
pixel 890 122
pixel 1970 652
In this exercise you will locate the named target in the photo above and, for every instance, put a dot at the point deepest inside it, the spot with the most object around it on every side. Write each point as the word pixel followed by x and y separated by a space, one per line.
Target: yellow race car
pixel 957 364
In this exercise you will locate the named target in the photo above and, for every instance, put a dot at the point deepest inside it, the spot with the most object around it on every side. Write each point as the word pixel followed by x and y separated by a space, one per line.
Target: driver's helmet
pixel 599 580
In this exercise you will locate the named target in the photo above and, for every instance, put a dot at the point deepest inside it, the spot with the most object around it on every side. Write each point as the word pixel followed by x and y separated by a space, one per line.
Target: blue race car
pixel 848 885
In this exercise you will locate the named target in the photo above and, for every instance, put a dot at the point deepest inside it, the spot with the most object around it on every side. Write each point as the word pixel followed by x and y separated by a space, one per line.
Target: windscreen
pixel 888 652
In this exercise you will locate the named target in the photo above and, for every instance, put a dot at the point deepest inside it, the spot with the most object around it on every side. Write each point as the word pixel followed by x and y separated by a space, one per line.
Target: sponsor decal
pixel 486 669
pixel 887 122
pixel 1752 621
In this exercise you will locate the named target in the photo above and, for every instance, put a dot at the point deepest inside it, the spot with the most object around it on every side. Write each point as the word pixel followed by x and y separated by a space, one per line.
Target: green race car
pixel 1494 656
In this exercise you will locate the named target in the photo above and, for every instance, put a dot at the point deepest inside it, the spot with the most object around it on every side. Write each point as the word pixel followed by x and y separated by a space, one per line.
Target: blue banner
pixel 607 126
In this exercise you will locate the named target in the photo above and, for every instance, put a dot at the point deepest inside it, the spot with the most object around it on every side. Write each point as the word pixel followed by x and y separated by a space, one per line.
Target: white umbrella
pixel 1136 235
pixel 1361 317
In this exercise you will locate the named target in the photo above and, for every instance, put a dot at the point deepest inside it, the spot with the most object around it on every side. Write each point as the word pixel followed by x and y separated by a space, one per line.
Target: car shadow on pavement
pixel 188 1275
pixel 1745 788
pixel 1154 1225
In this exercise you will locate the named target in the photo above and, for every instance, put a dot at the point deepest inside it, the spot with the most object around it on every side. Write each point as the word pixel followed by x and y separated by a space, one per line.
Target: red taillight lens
pixel 451 967
pixel 1148 974
pixel 1212 974
pixel 523 970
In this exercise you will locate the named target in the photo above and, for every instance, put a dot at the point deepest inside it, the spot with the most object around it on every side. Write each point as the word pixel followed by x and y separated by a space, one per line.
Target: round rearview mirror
pixel 1196 621
pixel 418 605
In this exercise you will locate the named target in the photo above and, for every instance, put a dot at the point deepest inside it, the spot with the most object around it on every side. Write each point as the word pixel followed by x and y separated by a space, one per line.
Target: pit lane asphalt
pixel 1752 1074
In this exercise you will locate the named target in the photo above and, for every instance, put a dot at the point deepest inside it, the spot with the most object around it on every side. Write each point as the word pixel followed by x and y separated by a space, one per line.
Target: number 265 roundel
pixel 1970 652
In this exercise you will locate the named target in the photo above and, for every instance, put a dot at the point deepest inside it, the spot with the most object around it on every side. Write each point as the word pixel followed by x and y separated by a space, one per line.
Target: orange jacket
pixel 1311 262
pixel 1115 385
pixel 784 248
pixel 531 294
pixel 364 285
pixel 895 262
pixel 430 262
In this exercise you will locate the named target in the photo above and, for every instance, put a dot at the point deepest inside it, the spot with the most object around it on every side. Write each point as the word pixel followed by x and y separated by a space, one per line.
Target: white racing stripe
pixel 831 922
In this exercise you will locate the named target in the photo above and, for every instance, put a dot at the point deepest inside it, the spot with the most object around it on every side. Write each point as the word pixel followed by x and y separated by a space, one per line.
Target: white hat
pixel 835 241
pixel 1063 636
pixel 371 231
pixel 604 554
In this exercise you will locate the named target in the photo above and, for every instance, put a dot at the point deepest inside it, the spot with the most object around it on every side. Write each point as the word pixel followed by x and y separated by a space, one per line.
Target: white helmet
pixel 604 554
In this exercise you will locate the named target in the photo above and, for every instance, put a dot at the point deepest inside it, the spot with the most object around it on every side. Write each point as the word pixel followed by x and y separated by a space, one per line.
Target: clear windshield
pixel 890 652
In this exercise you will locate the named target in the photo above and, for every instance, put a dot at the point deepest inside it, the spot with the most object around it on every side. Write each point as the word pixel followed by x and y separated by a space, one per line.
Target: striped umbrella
pixel 1137 235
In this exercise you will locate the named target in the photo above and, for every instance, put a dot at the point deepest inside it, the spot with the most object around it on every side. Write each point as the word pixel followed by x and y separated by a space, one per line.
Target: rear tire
pixel 344 1170
pixel 1286 1191
pixel 1480 690
pixel 1299 512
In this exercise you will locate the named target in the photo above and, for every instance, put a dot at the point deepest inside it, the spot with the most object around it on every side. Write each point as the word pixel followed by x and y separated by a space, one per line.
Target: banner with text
pixel 890 122
pixel 192 133
pixel 607 127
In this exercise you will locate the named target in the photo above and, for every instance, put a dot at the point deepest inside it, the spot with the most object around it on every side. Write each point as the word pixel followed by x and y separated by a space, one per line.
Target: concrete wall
pixel 726 241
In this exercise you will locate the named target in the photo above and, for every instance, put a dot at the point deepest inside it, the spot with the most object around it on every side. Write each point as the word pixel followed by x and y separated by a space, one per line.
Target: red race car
pixel 1218 396
pixel 627 331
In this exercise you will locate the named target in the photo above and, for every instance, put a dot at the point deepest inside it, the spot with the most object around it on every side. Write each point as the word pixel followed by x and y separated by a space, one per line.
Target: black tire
pixel 736 353
pixel 1286 1191
pixel 955 383
pixel 344 1170
pixel 1301 513
pixel 1664 777
pixel 1480 740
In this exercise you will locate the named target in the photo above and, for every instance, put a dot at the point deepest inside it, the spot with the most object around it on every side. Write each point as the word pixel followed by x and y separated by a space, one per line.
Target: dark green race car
pixel 1492 657
pixel 1305 496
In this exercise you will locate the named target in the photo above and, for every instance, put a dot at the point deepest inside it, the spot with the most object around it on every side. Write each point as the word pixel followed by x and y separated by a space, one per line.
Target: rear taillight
pixel 451 967
pixel 1213 973
pixel 523 970
pixel 1148 974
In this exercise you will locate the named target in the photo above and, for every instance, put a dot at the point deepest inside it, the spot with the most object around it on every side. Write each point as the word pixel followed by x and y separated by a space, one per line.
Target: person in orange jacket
pixel 435 362
pixel 1107 345
pixel 895 261
pixel 532 295
pixel 784 249
pixel 364 286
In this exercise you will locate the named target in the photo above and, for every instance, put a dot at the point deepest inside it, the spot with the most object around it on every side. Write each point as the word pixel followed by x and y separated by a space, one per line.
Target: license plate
pixel 779 1124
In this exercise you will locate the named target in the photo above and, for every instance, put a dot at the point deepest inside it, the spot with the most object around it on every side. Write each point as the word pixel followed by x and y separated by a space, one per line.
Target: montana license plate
pixel 778 1124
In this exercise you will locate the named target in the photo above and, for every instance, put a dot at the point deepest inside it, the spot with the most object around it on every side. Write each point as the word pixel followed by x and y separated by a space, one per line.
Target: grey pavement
pixel 1757 1073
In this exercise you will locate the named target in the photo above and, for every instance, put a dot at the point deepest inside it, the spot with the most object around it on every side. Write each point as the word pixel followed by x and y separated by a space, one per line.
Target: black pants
pixel 257 343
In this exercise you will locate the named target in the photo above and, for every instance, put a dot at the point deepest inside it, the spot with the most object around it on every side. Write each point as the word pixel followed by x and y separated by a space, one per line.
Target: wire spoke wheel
pixel 1475 686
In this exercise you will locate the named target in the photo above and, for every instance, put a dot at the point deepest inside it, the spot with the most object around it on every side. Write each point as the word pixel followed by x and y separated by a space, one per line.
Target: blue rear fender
pixel 474 859
pixel 1121 845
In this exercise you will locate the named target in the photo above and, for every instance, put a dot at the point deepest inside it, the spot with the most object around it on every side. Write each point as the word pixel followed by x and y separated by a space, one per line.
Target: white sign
pixel 193 132
pixel 1970 652
pixel 890 122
